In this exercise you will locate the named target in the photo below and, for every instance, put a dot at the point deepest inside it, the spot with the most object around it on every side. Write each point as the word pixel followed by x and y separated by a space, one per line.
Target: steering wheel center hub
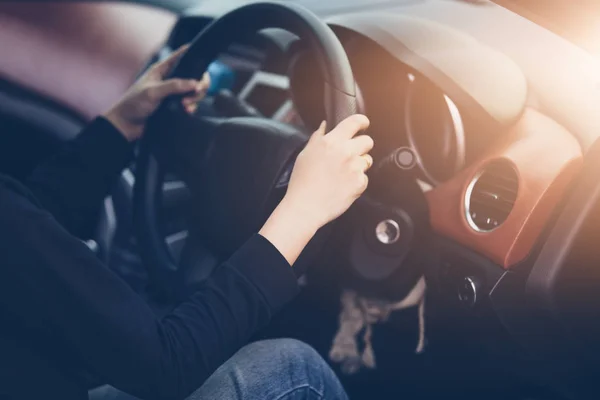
pixel 387 231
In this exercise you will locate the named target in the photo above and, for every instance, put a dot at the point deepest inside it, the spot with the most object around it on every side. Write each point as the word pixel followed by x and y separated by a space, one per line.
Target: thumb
pixel 320 130
pixel 173 86
pixel 163 67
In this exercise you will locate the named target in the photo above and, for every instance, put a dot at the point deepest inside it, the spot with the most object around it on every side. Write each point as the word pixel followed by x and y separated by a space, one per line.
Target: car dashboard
pixel 498 154
pixel 499 117
pixel 491 184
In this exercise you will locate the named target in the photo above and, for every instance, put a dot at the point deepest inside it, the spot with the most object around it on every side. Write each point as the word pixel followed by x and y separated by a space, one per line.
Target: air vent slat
pixel 493 207
pixel 495 194
pixel 499 190
pixel 491 196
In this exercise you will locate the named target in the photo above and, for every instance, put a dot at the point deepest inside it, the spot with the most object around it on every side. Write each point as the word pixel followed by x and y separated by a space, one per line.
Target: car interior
pixel 475 243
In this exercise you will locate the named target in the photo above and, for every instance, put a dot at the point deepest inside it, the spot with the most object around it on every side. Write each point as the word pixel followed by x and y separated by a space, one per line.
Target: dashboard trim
pixel 544 172
pixel 455 124
pixel 476 76
pixel 467 203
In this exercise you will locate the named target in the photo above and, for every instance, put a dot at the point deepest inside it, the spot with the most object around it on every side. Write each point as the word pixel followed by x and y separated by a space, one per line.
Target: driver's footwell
pixel 444 370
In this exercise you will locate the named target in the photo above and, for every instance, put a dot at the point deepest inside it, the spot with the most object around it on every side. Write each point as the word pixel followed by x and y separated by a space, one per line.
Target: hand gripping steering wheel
pixel 235 168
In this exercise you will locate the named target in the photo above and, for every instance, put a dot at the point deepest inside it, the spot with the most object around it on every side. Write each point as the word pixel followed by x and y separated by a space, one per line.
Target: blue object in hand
pixel 221 77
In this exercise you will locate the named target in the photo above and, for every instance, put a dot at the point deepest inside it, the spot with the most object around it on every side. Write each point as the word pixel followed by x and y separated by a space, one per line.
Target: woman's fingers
pixel 205 81
pixel 163 67
pixel 163 89
pixel 362 163
pixel 195 90
pixel 320 130
pixel 368 161
pixel 361 144
pixel 191 102
pixel 191 108
pixel 350 127
pixel 199 91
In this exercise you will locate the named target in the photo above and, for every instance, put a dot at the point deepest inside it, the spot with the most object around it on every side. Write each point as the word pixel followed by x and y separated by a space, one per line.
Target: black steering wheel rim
pixel 340 102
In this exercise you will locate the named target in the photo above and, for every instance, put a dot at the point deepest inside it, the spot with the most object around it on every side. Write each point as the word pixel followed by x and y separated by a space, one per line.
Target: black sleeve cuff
pixel 262 264
pixel 103 149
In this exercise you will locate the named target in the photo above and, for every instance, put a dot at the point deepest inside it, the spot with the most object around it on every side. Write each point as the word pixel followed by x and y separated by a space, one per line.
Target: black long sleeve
pixel 72 184
pixel 55 291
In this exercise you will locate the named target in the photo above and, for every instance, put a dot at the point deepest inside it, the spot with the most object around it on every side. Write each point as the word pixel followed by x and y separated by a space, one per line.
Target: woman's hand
pixel 329 175
pixel 129 114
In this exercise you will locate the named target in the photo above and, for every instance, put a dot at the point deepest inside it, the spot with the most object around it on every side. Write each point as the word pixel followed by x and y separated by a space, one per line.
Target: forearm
pixel 289 231
pixel 57 287
pixel 238 300
pixel 183 349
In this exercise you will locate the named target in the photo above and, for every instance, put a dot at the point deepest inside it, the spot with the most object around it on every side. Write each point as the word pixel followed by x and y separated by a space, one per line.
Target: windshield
pixel 577 21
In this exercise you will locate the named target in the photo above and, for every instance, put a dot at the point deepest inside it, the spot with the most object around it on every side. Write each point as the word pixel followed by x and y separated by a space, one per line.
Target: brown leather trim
pixel 546 158
pixel 81 55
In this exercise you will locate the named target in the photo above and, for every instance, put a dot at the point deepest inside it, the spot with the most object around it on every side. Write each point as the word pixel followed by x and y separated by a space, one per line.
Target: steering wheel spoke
pixel 179 143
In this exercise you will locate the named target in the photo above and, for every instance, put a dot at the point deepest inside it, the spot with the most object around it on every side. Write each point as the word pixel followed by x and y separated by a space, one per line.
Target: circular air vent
pixel 491 196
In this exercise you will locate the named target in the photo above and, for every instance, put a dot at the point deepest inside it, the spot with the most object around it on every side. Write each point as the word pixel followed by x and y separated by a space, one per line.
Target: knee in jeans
pixel 285 351
pixel 273 369
pixel 292 361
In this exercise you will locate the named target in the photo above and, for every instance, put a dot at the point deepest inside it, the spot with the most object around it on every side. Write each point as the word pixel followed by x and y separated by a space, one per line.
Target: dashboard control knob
pixel 402 158
pixel 468 289
pixel 405 158
pixel 397 167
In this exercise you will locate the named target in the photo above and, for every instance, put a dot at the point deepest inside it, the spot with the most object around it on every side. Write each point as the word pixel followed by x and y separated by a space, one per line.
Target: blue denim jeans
pixel 278 369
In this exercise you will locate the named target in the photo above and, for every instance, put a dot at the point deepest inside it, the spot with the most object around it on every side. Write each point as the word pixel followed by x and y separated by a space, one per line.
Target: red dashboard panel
pixel 82 55
pixel 546 158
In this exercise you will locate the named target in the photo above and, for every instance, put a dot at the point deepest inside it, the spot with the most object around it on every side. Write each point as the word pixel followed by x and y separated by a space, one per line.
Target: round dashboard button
pixel 467 291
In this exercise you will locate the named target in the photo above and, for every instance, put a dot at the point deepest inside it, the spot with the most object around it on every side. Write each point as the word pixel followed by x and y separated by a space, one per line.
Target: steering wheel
pixel 236 169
